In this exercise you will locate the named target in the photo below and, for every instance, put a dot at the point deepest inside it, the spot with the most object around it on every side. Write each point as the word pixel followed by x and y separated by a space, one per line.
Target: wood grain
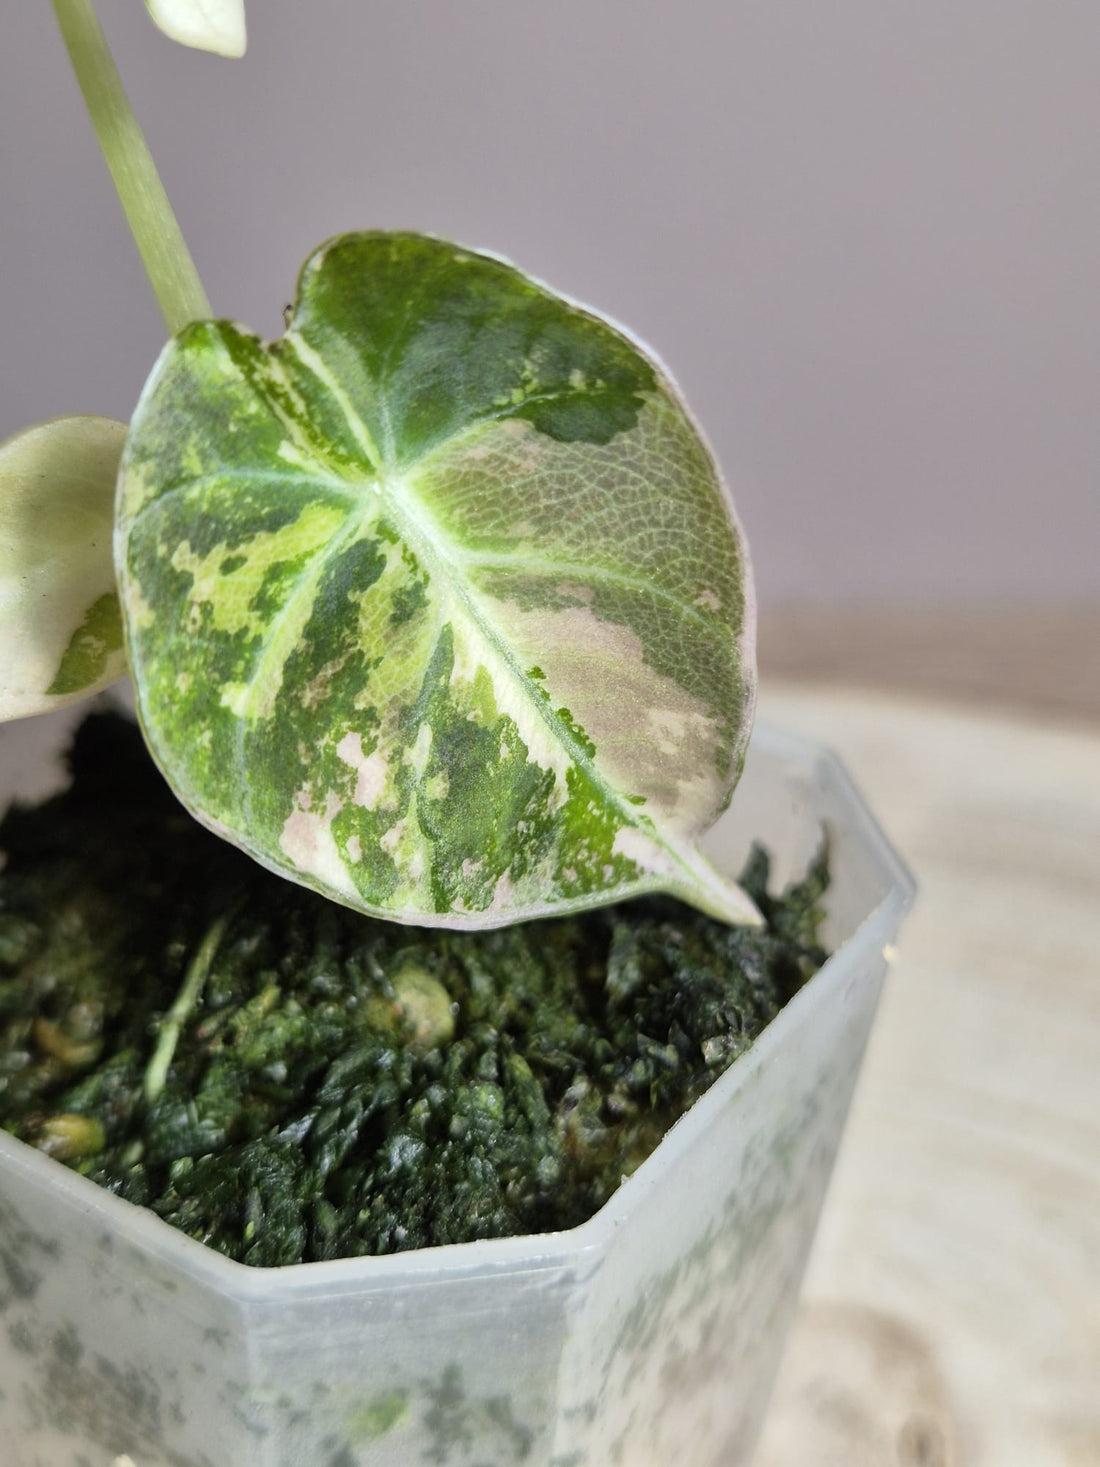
pixel 951 1316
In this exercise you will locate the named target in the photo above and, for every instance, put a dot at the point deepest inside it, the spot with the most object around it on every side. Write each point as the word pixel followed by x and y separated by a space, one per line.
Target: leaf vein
pixel 584 571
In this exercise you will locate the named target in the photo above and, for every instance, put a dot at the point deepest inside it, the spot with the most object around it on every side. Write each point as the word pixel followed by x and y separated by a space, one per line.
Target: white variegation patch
pixel 208 25
pixel 139 612
pixel 294 455
pixel 418 752
pixel 652 739
pixel 372 772
pixel 308 842
pixel 237 697
pixel 504 894
pixel 410 852
pixel 59 621
pixel 510 695
pixel 643 850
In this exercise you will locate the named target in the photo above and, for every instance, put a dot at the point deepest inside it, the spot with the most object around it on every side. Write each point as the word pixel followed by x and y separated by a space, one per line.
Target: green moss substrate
pixel 340 1085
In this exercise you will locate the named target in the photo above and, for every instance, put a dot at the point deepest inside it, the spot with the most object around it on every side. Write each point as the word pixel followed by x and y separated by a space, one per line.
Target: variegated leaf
pixel 209 25
pixel 437 604
pixel 60 626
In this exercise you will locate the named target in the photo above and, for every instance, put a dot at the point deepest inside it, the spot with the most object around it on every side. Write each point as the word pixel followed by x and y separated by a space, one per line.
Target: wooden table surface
pixel 951 1315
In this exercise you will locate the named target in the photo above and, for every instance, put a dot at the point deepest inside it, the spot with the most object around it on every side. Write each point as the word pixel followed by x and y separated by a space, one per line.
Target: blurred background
pixel 864 237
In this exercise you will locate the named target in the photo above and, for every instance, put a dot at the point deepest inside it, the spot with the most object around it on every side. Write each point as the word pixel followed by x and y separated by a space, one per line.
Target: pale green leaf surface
pixel 437 603
pixel 60 626
pixel 209 25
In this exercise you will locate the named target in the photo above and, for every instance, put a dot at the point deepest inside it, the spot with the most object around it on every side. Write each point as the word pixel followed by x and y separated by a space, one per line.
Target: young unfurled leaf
pixel 210 25
pixel 60 627
pixel 437 603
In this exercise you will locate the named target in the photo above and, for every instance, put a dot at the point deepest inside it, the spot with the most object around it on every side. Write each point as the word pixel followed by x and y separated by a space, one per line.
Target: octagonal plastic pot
pixel 648 1336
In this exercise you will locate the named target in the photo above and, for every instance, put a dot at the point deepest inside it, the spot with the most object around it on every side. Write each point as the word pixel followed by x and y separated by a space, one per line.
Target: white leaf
pixel 59 620
pixel 210 25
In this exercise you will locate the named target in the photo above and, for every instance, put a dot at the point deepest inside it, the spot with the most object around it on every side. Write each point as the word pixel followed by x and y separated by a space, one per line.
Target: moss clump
pixel 286 1080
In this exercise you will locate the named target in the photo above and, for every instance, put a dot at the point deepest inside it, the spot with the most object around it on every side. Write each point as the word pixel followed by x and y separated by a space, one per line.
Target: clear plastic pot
pixel 648 1336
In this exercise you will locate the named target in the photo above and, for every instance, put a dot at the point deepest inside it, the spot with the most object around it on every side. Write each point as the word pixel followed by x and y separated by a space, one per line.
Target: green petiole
pixel 164 252
pixel 198 969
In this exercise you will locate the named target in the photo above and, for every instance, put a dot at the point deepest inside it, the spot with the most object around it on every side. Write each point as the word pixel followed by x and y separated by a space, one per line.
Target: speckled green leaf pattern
pixel 437 603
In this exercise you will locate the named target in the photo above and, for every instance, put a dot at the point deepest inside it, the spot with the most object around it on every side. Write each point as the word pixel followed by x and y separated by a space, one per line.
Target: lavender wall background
pixel 864 235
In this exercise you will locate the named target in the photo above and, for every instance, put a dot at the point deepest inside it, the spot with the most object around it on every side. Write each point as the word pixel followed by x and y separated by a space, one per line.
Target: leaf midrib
pixel 442 555
pixel 445 558
pixel 513 560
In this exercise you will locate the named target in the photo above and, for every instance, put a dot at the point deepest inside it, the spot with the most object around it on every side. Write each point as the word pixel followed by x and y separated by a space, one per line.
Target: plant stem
pixel 164 253
pixel 156 1073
